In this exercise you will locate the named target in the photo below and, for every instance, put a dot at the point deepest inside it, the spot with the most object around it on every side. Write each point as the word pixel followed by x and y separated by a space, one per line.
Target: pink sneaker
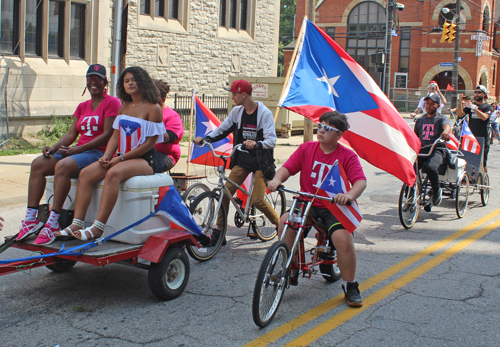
pixel 46 236
pixel 28 228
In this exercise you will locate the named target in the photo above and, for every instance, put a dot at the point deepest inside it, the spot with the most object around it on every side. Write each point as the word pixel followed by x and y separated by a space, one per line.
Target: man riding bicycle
pixel 429 127
pixel 251 124
pixel 314 159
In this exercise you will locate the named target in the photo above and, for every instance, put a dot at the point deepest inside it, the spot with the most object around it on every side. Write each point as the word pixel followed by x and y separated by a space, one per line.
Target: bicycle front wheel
pixel 270 284
pixel 409 205
pixel 203 210
pixel 462 196
pixel 261 225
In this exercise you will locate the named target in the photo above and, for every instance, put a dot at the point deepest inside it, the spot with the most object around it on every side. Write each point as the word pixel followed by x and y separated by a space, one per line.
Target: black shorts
pixel 163 162
pixel 149 158
pixel 325 217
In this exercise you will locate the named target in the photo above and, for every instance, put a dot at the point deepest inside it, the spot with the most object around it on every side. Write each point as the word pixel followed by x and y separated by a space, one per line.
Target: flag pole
pixel 190 130
pixel 292 61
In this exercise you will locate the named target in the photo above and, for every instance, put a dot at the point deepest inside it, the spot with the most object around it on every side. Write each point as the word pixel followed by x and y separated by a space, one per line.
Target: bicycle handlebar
pixel 238 147
pixel 439 140
pixel 307 195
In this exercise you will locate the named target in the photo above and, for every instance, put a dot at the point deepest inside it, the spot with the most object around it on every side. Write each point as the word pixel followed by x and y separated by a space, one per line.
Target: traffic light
pixel 451 35
pixel 446 32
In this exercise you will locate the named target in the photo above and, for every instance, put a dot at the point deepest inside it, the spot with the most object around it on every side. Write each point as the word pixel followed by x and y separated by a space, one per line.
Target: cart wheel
pixel 270 284
pixel 168 278
pixel 332 271
pixel 193 191
pixel 462 196
pixel 485 192
pixel 261 225
pixel 62 266
pixel 409 205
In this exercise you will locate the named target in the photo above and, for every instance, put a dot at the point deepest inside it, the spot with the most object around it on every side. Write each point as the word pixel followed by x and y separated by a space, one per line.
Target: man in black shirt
pixel 479 113
pixel 429 127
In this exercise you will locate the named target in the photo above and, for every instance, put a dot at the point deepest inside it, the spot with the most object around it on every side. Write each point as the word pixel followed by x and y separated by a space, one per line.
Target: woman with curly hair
pixel 92 125
pixel 169 151
pixel 137 129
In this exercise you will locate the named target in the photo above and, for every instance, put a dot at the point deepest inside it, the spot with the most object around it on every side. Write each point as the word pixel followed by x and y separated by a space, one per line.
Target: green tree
pixel 287 22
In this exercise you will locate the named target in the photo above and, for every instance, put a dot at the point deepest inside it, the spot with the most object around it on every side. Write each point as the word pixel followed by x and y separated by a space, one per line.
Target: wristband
pixel 121 156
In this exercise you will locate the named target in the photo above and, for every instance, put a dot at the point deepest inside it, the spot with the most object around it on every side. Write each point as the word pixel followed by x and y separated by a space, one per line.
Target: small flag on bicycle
pixel 333 184
pixel 454 143
pixel 206 121
pixel 469 141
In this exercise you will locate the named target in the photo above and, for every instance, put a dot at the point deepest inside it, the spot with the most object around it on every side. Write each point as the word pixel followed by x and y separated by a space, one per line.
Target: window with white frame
pixel 50 28
pixel 236 19
pixel 163 14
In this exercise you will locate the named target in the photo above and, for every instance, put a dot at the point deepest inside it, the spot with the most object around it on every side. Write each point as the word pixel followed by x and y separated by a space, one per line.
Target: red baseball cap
pixel 240 86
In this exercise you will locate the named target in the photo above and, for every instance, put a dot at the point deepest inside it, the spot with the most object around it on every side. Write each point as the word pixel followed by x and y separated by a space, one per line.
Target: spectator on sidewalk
pixel 431 88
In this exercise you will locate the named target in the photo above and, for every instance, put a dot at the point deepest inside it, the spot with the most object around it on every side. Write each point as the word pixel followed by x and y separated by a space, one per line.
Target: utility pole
pixel 387 70
pixel 454 80
pixel 309 124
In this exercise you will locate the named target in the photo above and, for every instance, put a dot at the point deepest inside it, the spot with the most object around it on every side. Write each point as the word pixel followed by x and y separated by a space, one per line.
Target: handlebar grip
pixel 333 202
pixel 243 147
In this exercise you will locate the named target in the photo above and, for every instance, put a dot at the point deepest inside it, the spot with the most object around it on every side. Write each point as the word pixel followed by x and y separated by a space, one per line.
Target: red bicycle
pixel 279 267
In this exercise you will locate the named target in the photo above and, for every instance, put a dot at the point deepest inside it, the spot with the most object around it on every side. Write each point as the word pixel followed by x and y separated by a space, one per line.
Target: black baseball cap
pixel 97 69
pixel 434 97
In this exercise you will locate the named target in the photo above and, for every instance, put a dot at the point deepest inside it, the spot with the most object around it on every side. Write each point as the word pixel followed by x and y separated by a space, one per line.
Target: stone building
pixel 358 26
pixel 46 47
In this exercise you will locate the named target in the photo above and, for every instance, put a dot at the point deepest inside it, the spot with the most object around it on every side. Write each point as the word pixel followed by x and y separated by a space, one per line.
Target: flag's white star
pixel 127 130
pixel 209 125
pixel 332 182
pixel 330 82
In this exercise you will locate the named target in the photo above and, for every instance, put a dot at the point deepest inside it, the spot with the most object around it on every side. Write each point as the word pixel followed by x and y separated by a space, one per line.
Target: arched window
pixel 365 33
pixel 486 19
pixel 484 80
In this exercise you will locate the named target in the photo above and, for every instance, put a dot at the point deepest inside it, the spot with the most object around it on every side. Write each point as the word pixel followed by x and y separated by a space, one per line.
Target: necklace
pixel 133 105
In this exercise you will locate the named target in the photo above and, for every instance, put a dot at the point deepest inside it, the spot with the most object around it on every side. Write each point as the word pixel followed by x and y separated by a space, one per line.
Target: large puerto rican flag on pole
pixel 206 122
pixel 325 78
pixel 336 182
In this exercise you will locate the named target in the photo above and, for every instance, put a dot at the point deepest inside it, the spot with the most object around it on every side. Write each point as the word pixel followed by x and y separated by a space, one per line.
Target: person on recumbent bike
pixel 429 127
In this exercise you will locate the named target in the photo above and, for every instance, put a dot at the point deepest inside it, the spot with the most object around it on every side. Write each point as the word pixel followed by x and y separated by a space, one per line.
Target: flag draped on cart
pixel 469 141
pixel 207 121
pixel 336 182
pixel 325 78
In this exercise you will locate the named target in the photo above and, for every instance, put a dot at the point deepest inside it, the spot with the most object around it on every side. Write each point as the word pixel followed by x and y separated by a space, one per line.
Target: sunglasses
pixel 326 128
pixel 94 78
pixel 478 92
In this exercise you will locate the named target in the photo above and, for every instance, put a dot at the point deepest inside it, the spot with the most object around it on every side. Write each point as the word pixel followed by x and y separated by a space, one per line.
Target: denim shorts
pixel 83 159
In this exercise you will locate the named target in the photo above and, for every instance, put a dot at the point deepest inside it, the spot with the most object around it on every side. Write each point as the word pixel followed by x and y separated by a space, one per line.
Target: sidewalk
pixel 15 170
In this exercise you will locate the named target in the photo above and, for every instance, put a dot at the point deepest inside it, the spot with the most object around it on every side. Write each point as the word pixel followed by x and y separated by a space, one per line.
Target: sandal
pixel 83 232
pixel 67 233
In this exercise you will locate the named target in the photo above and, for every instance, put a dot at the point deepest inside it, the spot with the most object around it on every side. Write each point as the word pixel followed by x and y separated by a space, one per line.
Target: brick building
pixel 358 26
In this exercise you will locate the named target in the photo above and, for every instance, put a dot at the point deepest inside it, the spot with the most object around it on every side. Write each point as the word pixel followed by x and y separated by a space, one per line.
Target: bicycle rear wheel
pixel 409 205
pixel 203 211
pixel 270 284
pixel 261 225
pixel 485 192
pixel 193 192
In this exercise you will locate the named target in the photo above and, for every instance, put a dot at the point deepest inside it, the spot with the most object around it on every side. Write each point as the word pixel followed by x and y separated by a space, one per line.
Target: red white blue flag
pixel 325 78
pixel 469 141
pixel 336 182
pixel 454 143
pixel 206 122
pixel 172 206
pixel 132 135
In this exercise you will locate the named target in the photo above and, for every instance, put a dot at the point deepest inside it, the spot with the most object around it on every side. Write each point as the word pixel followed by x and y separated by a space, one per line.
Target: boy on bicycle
pixel 251 124
pixel 314 160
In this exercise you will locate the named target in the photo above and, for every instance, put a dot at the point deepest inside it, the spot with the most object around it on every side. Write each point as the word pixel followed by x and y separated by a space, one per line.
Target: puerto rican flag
pixel 325 78
pixel 333 184
pixel 206 122
pixel 132 131
pixel 454 143
pixel 469 142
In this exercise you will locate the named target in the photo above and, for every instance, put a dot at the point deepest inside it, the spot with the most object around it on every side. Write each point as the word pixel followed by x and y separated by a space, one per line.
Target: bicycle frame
pixel 301 218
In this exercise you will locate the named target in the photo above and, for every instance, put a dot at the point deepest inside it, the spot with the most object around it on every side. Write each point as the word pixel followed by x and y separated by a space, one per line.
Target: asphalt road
pixel 434 285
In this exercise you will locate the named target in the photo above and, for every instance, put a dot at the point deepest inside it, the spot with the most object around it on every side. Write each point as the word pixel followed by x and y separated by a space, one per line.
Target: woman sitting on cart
pixel 93 120
pixel 137 129
pixel 168 151
pixel 314 159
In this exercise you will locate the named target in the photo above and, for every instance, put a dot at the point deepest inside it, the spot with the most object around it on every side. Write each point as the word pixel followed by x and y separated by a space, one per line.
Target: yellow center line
pixel 314 313
pixel 332 323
